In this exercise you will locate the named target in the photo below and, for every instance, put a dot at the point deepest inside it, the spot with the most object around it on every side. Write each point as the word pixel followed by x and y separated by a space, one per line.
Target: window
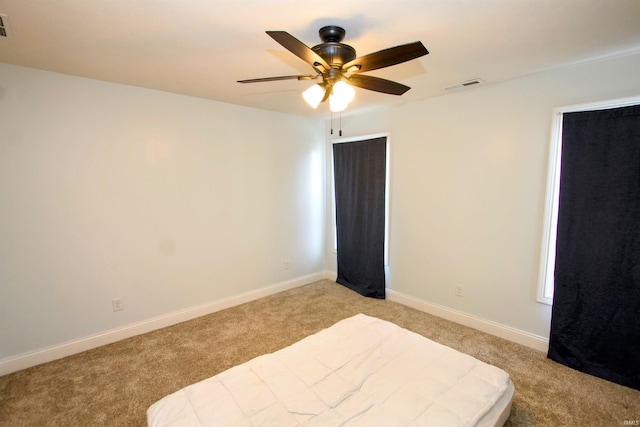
pixel 333 201
pixel 548 254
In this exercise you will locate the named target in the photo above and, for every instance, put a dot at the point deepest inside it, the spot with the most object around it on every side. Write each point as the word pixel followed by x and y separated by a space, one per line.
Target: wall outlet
pixel 458 290
pixel 118 304
pixel 286 264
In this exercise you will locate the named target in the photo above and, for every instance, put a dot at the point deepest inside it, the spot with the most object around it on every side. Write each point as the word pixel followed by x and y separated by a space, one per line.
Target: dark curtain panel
pixel 595 324
pixel 359 174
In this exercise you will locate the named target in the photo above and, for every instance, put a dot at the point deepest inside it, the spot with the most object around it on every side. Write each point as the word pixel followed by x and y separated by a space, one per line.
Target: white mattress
pixel 362 371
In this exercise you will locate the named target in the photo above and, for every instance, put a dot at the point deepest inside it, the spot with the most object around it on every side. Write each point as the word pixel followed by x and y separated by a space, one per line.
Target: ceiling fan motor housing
pixel 332 51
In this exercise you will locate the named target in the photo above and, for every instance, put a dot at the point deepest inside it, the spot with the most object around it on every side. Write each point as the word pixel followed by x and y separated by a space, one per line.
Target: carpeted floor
pixel 115 384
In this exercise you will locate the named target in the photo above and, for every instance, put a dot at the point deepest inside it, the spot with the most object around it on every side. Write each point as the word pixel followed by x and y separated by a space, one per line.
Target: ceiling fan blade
pixel 387 57
pixel 377 84
pixel 298 48
pixel 273 79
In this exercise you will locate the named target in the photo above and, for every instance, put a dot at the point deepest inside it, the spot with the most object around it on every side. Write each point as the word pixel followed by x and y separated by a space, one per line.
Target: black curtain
pixel 595 324
pixel 359 175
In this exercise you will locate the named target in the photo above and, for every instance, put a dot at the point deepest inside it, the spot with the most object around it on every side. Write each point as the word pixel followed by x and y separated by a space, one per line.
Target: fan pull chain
pixel 340 123
pixel 332 123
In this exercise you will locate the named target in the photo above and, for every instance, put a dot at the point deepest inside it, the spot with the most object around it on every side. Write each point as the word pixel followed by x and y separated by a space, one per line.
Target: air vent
pixel 4 23
pixel 465 84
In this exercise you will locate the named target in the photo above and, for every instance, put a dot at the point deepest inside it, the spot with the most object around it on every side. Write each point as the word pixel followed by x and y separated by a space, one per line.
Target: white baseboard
pixel 507 332
pixel 27 360
pixel 512 334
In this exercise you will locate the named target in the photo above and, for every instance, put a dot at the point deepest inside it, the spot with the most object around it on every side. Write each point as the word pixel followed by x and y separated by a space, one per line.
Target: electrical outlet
pixel 286 264
pixel 458 290
pixel 118 304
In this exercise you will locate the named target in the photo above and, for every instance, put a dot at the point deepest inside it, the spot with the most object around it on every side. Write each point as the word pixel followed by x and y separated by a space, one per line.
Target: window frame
pixel 387 188
pixel 548 250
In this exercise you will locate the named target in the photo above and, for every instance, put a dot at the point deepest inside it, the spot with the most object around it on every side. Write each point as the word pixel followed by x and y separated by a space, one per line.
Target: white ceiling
pixel 201 47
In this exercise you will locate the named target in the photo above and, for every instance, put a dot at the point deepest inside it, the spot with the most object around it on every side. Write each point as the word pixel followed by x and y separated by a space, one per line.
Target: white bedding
pixel 362 371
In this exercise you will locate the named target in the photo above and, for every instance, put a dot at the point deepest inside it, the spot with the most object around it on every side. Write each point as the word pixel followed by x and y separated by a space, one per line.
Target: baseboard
pixel 512 334
pixel 27 360
pixel 507 332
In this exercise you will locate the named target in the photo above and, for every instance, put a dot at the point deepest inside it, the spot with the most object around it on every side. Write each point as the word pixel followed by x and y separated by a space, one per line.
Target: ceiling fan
pixel 339 67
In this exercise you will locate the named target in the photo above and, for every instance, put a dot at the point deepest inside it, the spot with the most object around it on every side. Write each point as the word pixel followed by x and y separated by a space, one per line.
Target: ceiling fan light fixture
pixel 313 95
pixel 341 95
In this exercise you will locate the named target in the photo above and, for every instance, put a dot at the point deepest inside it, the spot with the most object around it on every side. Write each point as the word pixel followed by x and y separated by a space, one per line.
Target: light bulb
pixel 342 94
pixel 336 105
pixel 313 95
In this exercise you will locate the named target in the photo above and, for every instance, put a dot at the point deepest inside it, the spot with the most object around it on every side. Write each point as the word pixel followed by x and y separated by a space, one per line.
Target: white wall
pixel 170 202
pixel 166 201
pixel 468 176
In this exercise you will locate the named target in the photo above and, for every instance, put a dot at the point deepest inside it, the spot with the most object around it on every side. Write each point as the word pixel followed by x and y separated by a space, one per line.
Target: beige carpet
pixel 115 384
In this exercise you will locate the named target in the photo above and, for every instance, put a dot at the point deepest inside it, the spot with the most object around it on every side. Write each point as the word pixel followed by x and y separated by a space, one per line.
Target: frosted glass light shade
pixel 341 96
pixel 313 95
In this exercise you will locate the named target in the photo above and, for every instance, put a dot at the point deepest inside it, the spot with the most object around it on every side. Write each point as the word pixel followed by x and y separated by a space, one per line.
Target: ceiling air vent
pixel 4 32
pixel 465 84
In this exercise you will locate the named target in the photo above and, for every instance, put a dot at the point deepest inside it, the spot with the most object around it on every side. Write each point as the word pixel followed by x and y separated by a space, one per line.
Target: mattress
pixel 362 371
